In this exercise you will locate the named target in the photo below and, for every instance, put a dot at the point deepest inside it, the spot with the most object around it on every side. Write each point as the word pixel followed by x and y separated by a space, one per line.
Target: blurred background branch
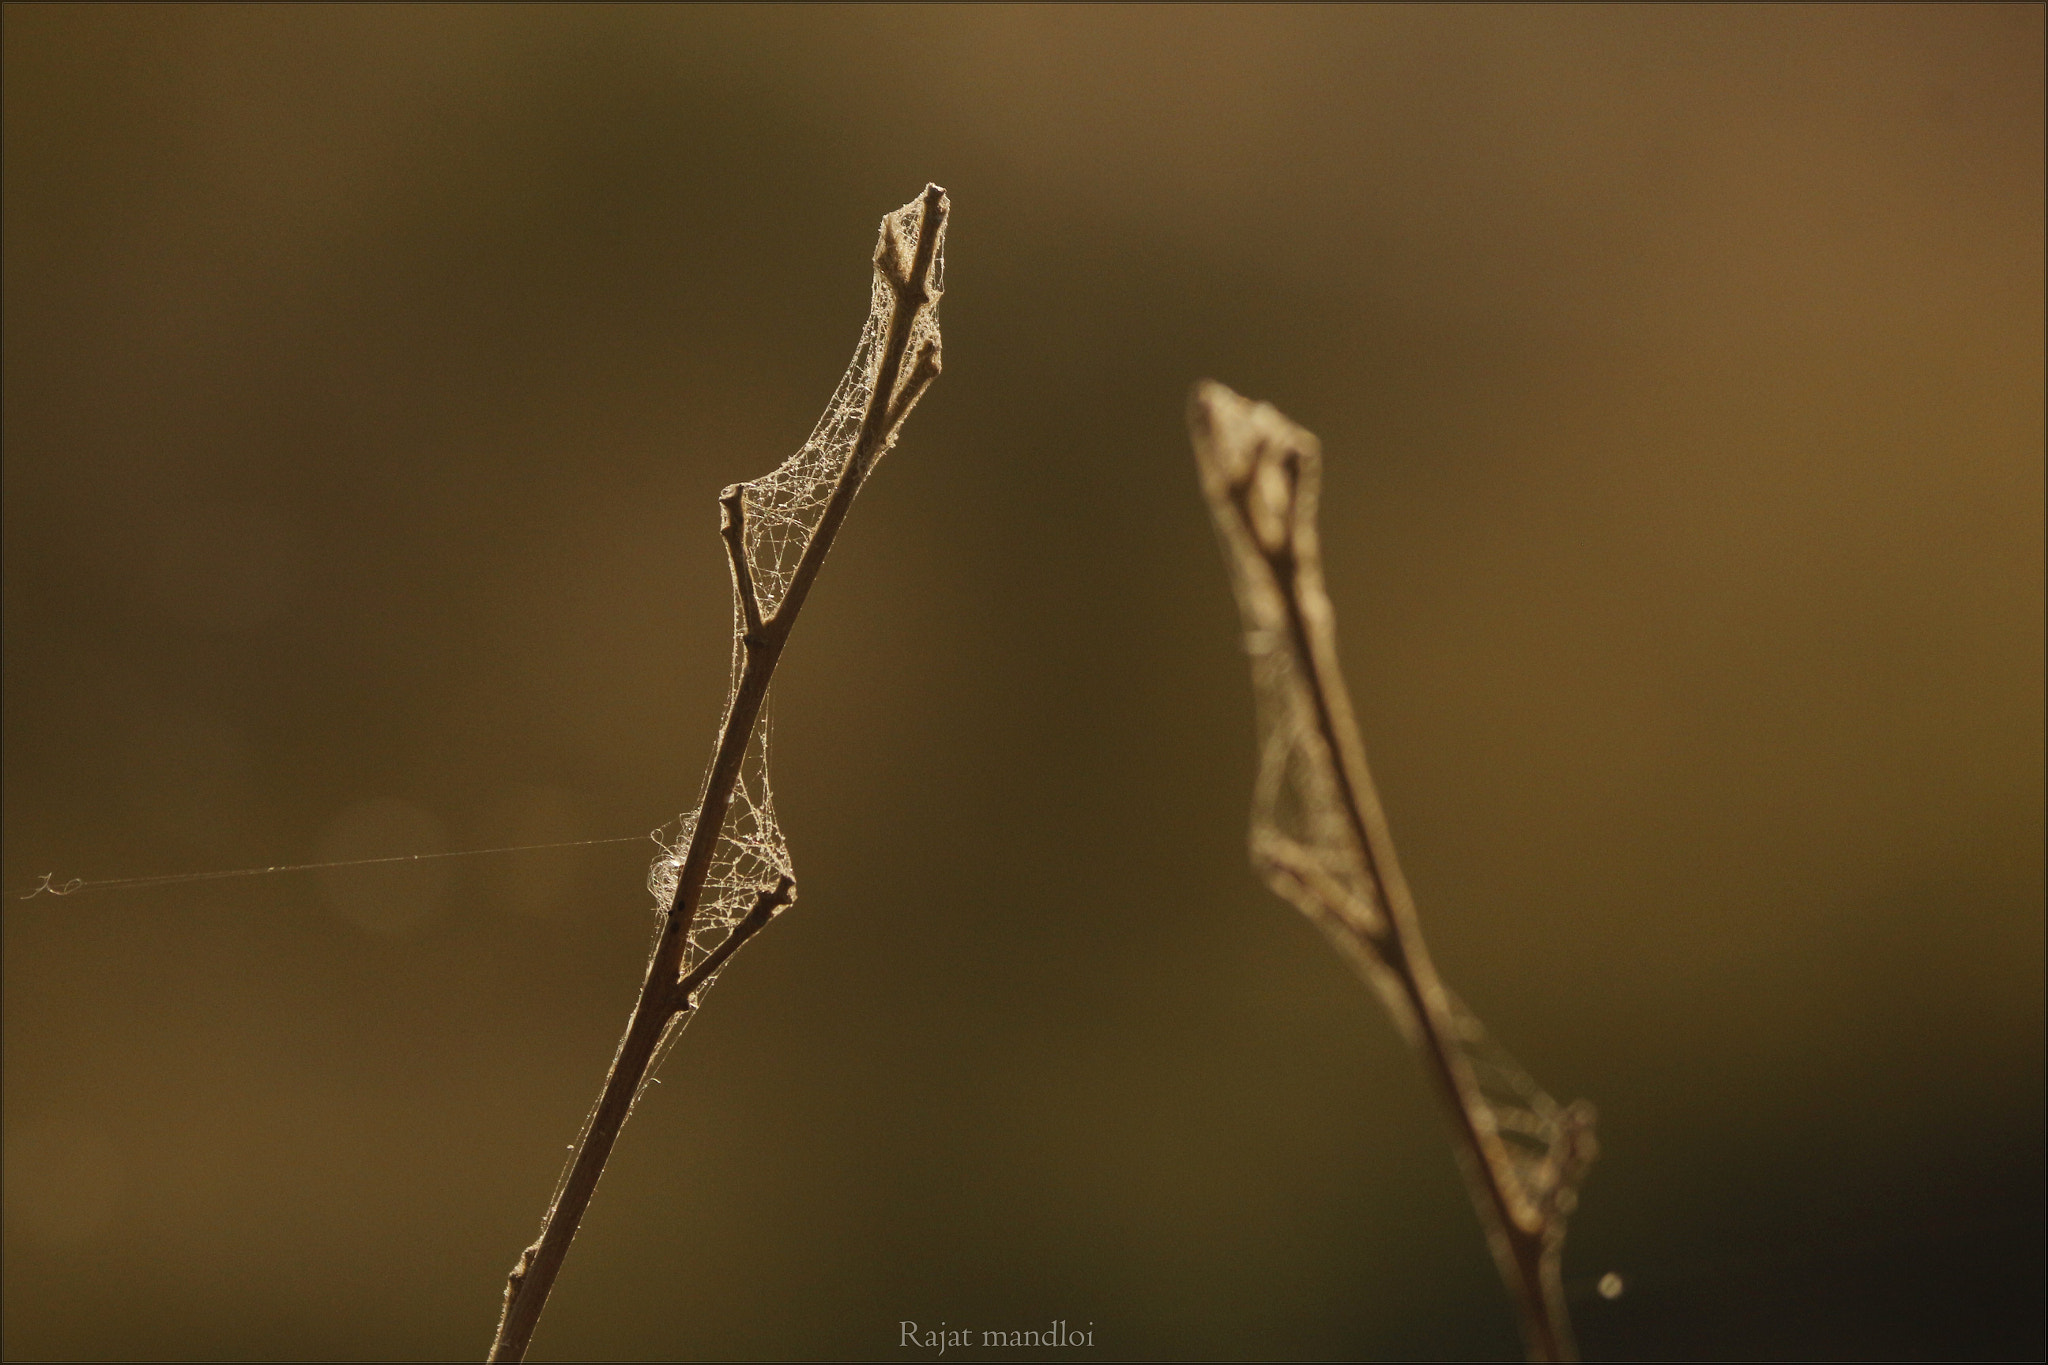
pixel 1320 837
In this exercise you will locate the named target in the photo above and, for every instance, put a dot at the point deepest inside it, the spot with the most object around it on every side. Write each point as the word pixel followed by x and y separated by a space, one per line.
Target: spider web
pixel 782 511
pixel 1261 473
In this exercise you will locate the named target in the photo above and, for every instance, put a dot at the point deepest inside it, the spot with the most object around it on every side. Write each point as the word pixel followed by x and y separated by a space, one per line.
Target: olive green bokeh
pixel 370 375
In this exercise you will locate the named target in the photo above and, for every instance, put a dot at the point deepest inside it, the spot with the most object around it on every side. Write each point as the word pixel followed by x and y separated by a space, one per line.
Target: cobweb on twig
pixel 782 512
pixel 1548 1145
pixel 1303 845
pixel 1261 474
pixel 725 872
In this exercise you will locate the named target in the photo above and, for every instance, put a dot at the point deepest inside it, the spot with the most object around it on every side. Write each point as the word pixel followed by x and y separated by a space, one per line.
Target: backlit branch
pixel 732 528
pixel 910 271
pixel 1321 840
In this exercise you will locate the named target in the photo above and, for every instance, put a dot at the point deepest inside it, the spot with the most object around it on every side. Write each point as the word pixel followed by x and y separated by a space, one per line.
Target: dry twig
pixel 777 531
pixel 1320 839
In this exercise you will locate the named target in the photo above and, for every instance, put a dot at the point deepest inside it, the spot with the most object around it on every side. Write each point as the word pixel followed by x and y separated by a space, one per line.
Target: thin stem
pixel 732 527
pixel 1516 1234
pixel 759 669
pixel 666 992
pixel 1259 473
pixel 912 288
pixel 766 906
pixel 921 376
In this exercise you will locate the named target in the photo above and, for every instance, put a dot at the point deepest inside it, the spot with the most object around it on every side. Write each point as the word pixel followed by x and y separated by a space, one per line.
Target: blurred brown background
pixel 369 378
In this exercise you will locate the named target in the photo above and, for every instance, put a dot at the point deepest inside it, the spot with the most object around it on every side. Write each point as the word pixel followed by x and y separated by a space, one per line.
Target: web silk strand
pixel 50 886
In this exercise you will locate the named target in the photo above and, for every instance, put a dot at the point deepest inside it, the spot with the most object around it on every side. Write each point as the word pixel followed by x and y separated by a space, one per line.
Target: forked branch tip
pixel 732 529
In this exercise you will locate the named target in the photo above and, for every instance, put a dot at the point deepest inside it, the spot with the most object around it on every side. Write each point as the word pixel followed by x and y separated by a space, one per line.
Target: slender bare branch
pixel 920 378
pixel 666 992
pixel 889 258
pixel 766 906
pixel 917 292
pixel 1321 838
pixel 732 528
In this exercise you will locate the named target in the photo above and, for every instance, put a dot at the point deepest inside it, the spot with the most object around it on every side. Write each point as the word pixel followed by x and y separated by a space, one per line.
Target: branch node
pixel 732 527
pixel 767 904
pixel 923 371
pixel 889 257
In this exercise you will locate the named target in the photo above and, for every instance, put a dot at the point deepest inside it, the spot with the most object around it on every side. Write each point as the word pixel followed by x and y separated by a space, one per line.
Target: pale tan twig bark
pixel 1321 840
pixel 667 992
